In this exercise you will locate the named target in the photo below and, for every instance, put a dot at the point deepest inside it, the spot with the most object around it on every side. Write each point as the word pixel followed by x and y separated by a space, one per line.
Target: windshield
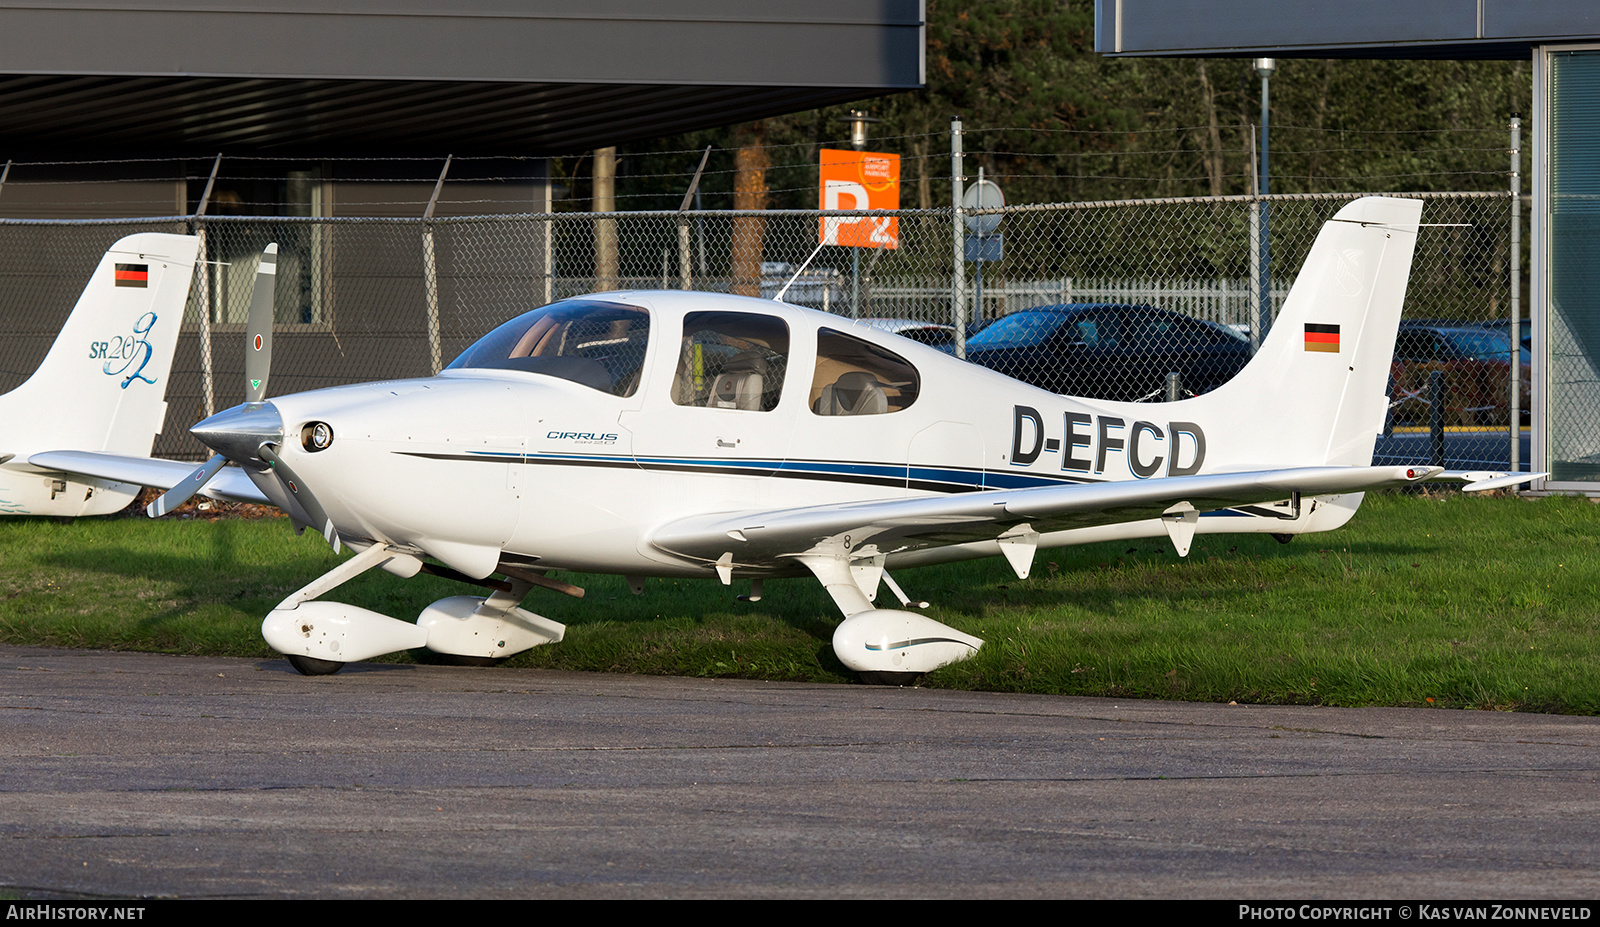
pixel 598 344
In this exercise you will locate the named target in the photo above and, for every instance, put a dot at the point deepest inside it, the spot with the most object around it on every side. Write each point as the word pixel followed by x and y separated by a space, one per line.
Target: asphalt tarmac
pixel 152 776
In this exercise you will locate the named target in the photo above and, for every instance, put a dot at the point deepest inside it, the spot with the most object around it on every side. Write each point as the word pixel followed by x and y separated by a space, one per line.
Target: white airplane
pixel 101 387
pixel 704 435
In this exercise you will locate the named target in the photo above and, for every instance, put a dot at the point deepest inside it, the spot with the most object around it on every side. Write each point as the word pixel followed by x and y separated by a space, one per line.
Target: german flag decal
pixel 133 275
pixel 1322 338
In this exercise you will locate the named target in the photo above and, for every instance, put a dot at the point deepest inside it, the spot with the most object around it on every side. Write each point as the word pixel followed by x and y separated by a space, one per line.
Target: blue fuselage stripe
pixel 933 479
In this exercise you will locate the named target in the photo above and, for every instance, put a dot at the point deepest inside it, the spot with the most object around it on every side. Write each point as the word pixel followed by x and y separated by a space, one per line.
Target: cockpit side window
pixel 598 344
pixel 731 360
pixel 856 377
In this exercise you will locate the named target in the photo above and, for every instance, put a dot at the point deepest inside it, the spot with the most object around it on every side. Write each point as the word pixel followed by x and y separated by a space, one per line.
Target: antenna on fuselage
pixel 779 297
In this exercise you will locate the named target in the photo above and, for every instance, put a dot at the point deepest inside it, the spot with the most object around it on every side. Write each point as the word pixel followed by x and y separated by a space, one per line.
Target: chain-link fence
pixel 1158 286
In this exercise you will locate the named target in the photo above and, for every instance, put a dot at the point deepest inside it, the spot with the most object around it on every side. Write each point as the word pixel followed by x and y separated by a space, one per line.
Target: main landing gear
pixel 884 646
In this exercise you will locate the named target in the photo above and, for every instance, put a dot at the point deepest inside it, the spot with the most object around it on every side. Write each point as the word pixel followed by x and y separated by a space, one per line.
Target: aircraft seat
pixel 854 393
pixel 740 383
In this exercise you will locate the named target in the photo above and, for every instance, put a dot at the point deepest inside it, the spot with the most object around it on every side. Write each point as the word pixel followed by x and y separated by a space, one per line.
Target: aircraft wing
pixel 896 525
pixel 229 485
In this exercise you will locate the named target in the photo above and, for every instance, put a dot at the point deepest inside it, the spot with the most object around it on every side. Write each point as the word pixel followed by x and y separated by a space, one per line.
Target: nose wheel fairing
pixel 319 636
pixel 338 633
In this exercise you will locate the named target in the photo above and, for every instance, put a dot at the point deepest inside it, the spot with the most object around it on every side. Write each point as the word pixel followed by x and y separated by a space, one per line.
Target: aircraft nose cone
pixel 239 432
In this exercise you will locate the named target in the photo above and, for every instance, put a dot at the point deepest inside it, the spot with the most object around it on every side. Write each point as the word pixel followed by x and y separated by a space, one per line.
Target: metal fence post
pixel 547 239
pixel 1515 330
pixel 1257 292
pixel 430 271
pixel 208 395
pixel 202 302
pixel 958 269
pixel 1264 67
pixel 684 276
pixel 1436 418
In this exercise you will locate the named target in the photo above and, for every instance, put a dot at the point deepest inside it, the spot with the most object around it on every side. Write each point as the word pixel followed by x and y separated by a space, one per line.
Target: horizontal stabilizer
pixel 229 485
pixel 1482 480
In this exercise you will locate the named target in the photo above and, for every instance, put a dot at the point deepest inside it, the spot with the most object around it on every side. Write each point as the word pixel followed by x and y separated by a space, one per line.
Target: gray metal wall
pixel 752 42
pixel 1363 28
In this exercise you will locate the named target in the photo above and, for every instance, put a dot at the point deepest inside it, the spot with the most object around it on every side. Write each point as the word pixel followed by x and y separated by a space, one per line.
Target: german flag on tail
pixel 133 275
pixel 1323 339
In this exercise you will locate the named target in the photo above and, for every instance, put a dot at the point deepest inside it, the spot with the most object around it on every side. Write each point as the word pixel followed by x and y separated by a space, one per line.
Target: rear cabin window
pixel 731 360
pixel 855 377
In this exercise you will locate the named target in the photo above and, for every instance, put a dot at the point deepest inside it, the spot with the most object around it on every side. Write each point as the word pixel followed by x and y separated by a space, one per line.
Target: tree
pixel 1052 120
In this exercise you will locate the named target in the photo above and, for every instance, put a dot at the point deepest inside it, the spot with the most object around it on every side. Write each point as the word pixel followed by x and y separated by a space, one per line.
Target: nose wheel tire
pixel 311 666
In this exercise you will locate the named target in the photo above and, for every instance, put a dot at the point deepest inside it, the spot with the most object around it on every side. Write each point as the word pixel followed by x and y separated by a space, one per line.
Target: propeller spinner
pixel 251 434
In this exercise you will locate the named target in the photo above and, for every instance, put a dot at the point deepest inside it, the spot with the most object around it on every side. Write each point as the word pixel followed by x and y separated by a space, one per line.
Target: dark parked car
pixel 1109 350
pixel 1524 329
pixel 1476 363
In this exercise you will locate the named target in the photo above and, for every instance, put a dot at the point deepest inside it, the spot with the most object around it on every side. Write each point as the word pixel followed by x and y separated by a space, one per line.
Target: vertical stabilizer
pixel 102 386
pixel 1315 392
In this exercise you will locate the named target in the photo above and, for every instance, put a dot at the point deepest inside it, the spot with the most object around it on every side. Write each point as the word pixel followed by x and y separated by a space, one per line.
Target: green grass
pixel 1450 601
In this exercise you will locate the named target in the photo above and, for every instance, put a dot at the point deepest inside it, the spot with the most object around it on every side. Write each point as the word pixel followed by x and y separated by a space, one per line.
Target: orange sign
pixel 860 180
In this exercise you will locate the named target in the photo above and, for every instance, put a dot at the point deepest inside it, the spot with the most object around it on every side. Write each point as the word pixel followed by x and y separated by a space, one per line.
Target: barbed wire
pixel 106 180
pixel 1276 176
pixel 842 142
pixel 1195 128
pixel 1034 171
pixel 1276 150
pixel 1487 129
pixel 722 173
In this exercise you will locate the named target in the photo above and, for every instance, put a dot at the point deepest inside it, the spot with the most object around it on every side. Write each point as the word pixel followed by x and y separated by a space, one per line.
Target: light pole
pixel 859 121
pixel 1265 67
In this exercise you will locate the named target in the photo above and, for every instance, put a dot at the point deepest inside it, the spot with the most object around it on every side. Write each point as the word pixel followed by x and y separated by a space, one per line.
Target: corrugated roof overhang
pixel 357 76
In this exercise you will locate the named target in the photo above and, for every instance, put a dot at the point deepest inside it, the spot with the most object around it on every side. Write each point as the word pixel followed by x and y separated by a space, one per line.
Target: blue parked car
pixel 1109 350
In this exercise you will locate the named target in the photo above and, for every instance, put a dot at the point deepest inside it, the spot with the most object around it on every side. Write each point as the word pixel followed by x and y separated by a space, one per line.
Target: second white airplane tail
pixel 1315 392
pixel 102 385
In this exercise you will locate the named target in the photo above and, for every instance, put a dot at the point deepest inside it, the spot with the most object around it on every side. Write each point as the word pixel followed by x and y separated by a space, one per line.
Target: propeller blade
pixel 258 329
pixel 192 484
pixel 316 516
